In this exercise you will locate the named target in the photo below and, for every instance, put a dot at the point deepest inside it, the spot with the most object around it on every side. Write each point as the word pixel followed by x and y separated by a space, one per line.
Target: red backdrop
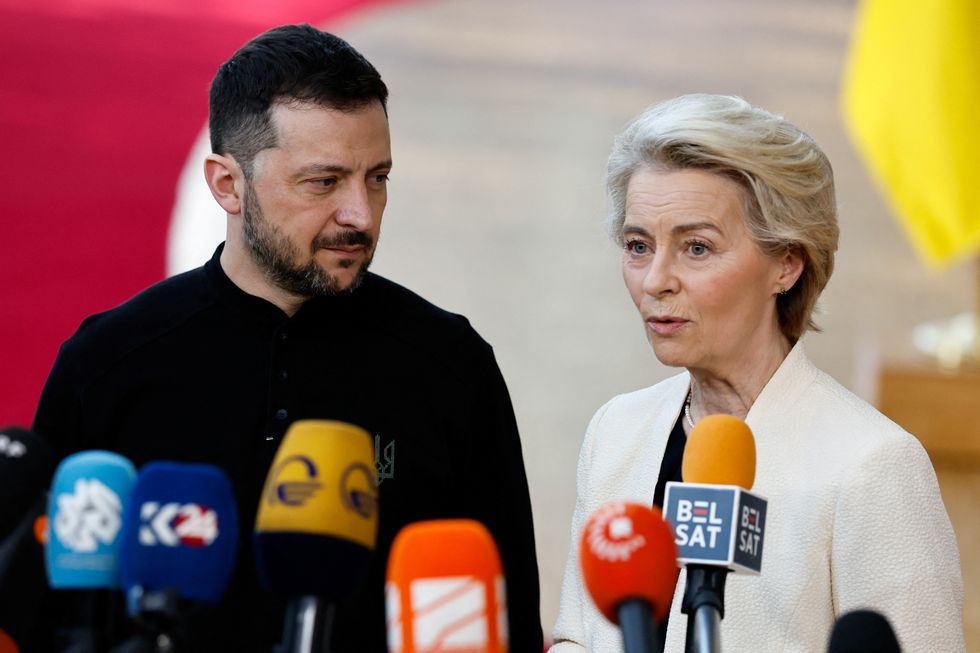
pixel 100 102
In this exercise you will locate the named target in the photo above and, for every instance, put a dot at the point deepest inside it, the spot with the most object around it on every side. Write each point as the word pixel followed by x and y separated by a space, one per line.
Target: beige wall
pixel 503 112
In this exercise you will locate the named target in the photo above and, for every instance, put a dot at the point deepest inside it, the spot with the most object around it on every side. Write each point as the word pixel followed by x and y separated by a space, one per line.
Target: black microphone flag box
pixel 718 525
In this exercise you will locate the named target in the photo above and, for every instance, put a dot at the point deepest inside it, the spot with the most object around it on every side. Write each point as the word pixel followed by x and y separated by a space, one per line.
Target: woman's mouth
pixel 666 325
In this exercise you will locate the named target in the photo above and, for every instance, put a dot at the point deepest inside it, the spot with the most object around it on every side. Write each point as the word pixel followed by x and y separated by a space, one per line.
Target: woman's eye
pixel 637 247
pixel 698 249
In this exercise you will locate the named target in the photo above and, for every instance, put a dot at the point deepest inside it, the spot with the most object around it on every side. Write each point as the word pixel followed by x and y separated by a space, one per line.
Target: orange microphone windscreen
pixel 628 552
pixel 445 590
pixel 720 451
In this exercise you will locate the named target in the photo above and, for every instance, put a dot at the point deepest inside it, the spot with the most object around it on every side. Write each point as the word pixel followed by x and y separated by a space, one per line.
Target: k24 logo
pixel 175 524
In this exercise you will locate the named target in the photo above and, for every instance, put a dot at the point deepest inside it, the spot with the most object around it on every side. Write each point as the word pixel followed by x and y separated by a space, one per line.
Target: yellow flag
pixel 912 103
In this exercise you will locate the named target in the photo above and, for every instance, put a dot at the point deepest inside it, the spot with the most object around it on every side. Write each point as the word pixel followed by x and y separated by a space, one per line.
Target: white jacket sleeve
pixel 570 634
pixel 894 550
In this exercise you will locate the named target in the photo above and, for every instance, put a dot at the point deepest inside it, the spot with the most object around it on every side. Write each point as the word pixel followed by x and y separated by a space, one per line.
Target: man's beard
pixel 275 254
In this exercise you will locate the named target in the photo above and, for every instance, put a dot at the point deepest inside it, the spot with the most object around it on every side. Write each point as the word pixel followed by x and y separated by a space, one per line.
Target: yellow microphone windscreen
pixel 322 482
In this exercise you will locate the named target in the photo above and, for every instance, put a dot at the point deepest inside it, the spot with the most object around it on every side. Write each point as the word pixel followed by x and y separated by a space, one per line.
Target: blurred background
pixel 502 114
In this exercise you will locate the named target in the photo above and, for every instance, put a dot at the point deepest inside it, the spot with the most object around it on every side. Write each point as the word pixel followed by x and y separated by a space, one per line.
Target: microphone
pixel 26 465
pixel 863 631
pixel 629 567
pixel 178 545
pixel 445 590
pixel 317 522
pixel 7 643
pixel 85 508
pixel 718 524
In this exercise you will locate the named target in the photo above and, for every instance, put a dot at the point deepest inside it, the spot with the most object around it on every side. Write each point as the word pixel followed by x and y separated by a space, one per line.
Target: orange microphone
pixel 445 591
pixel 629 565
pixel 720 451
pixel 718 524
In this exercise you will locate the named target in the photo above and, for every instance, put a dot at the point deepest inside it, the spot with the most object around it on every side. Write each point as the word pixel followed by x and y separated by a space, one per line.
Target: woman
pixel 727 220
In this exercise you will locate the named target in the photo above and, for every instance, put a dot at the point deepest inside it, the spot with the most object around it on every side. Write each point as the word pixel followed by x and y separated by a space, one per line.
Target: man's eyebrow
pixel 321 168
pixel 333 168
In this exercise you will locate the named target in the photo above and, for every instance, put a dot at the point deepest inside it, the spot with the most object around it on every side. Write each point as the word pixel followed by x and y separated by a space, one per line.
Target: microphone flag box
pixel 718 525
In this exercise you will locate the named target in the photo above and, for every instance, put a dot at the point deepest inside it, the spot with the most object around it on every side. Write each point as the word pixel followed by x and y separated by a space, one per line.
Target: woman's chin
pixel 670 354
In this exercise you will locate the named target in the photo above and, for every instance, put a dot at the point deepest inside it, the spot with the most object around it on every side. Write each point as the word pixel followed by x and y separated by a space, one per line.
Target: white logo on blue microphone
pixel 89 516
pixel 174 524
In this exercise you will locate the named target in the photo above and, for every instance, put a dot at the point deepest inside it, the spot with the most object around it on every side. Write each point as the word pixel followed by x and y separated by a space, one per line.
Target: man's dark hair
pixel 291 63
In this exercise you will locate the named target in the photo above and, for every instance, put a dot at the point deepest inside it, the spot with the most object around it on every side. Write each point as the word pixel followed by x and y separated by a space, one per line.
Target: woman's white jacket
pixel 855 519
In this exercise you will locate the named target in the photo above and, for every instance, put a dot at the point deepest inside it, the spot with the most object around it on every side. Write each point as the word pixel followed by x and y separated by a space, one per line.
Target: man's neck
pixel 244 273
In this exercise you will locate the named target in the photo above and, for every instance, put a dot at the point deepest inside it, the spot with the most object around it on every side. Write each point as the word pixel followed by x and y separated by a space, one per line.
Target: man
pixel 285 323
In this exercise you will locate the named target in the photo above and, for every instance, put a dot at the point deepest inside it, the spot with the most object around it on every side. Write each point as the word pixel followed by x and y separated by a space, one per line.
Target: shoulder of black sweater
pixel 406 316
pixel 104 337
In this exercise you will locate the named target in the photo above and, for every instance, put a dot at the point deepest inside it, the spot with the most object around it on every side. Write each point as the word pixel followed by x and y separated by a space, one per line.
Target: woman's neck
pixel 733 391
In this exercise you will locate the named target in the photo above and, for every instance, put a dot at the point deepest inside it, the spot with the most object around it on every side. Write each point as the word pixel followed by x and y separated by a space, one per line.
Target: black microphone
pixel 26 466
pixel 863 631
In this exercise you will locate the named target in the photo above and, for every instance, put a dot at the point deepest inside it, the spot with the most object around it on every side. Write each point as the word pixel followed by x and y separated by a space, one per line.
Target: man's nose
pixel 355 208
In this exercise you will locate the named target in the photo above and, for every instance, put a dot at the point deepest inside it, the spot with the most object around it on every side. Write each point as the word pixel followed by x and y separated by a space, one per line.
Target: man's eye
pixel 381 178
pixel 326 182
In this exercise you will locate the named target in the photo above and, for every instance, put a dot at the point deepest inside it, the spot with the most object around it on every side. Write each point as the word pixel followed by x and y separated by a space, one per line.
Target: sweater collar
pixel 266 313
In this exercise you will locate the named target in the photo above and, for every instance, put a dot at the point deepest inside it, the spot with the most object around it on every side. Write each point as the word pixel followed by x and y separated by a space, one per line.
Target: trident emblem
pixel 386 469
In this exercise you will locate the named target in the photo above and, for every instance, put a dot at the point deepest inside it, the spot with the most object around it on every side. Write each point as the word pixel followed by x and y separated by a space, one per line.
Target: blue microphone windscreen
pixel 180 532
pixel 88 495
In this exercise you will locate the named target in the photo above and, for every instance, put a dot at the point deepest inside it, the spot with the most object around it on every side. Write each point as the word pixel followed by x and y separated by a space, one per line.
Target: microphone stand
pixel 308 619
pixel 704 605
pixel 641 633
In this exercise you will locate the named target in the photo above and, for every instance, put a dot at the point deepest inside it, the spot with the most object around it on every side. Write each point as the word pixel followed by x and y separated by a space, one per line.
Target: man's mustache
pixel 346 238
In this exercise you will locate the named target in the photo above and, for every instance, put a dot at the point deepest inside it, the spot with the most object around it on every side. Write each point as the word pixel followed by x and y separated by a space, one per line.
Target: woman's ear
pixel 225 179
pixel 791 263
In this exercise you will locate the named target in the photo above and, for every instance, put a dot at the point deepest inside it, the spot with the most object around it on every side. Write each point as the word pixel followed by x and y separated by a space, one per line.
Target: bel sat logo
pixel 716 525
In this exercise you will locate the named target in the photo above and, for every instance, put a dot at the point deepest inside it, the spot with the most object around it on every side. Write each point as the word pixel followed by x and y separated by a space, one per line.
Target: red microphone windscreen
pixel 628 552
pixel 7 643
pixel 720 450
pixel 445 590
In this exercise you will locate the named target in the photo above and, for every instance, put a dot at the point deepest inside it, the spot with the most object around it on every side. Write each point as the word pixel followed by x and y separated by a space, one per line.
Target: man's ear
pixel 226 181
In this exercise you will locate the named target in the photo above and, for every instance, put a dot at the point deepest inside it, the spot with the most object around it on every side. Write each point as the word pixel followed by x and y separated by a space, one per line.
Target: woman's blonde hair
pixel 788 180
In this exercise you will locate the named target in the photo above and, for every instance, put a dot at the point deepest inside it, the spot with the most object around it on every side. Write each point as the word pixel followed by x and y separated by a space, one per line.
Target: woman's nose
pixel 660 277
